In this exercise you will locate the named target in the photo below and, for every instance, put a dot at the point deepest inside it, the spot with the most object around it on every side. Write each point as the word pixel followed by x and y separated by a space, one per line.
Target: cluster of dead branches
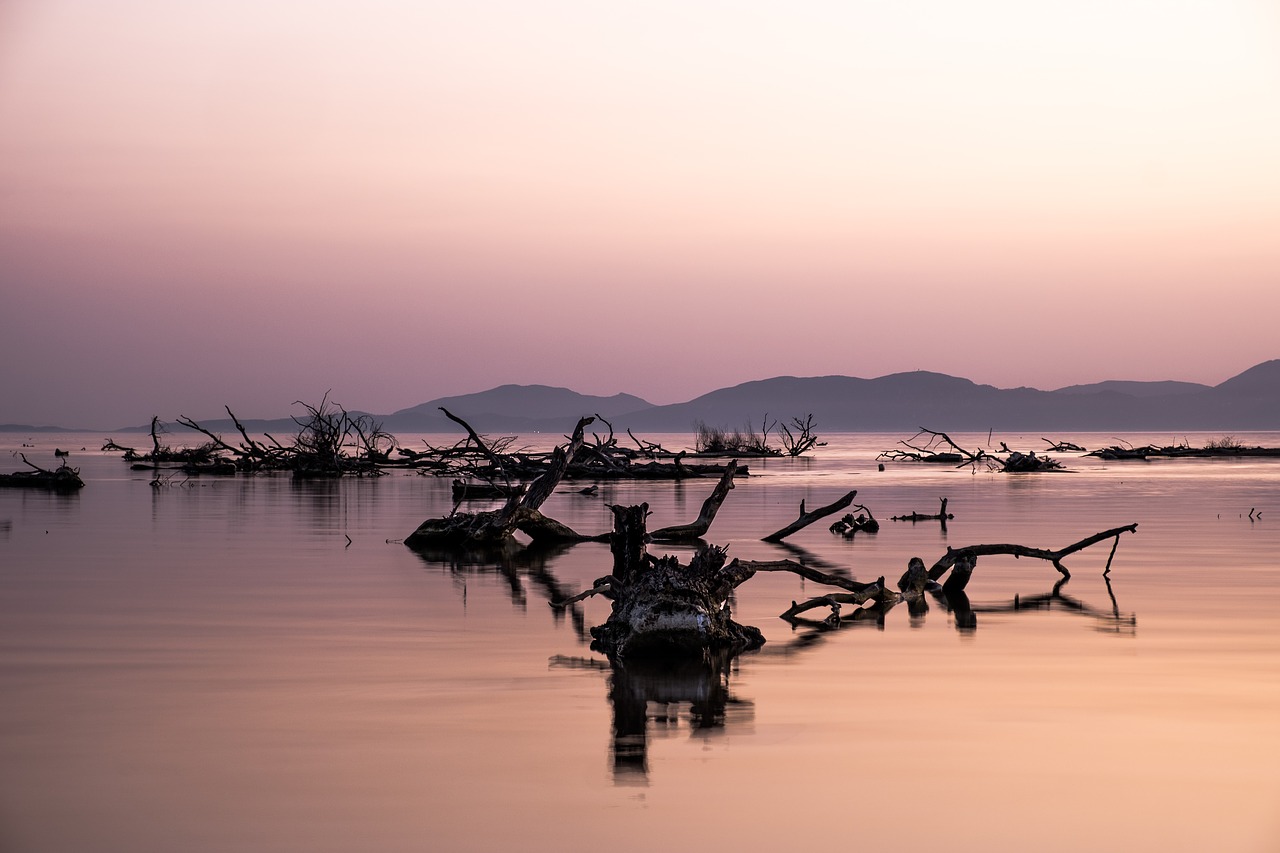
pixel 662 607
pixel 329 442
pixel 202 455
pixel 937 447
pixel 1218 447
pixel 486 468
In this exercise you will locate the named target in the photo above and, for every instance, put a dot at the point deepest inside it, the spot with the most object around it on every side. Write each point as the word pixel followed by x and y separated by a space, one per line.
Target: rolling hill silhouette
pixel 899 401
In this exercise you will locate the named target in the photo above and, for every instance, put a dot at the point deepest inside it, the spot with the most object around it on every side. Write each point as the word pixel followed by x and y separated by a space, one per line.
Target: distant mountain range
pixel 898 402
pixel 901 401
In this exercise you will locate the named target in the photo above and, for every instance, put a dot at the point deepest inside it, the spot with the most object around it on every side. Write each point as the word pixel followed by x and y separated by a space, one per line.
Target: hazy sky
pixel 247 203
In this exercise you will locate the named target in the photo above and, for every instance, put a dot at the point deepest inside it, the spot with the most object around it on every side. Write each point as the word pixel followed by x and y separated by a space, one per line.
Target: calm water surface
pixel 210 665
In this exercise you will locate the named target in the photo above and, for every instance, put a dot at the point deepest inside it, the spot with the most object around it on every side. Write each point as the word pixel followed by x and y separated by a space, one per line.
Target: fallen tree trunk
pixel 961 563
pixel 807 518
pixel 699 526
pixel 61 479
pixel 941 515
pixel 954 555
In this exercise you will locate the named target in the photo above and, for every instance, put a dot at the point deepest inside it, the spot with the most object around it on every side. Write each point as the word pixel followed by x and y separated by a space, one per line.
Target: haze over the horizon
pixel 232 203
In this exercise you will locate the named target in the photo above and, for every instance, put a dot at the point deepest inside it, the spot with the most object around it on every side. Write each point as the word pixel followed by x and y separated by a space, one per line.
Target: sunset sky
pixel 248 203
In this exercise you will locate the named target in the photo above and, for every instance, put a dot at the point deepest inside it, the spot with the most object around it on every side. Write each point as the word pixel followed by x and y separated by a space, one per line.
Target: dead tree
pixel 802 440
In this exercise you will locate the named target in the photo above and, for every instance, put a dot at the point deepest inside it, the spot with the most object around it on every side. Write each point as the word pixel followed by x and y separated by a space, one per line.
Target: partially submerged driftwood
pixel 939 448
pixel 662 608
pixel 807 518
pixel 64 478
pixel 941 515
pixel 520 512
pixel 665 609
pixel 849 524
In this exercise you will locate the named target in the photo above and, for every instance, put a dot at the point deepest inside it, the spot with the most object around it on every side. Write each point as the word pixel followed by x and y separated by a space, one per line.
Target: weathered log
pixel 627 544
pixel 664 609
pixel 915 578
pixel 807 518
pixel 672 610
pixel 953 555
pixel 699 526
pixel 961 562
pixel 941 515
pixel 1063 446
pixel 61 479
pixel 465 491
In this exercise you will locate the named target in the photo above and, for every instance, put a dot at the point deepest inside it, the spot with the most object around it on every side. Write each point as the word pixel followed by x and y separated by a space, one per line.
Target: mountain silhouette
pixel 897 402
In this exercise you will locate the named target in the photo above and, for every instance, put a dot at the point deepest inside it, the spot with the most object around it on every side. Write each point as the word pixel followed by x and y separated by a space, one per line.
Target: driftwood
pixel 1062 446
pixel 464 491
pixel 699 526
pixel 329 442
pixel 807 518
pixel 520 512
pixel 664 609
pixel 849 525
pixel 1223 447
pixel 64 478
pixel 941 515
pixel 960 562
pixel 937 447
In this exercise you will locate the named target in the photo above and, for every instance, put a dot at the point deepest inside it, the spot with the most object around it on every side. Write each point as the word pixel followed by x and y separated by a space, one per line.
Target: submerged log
pixel 961 563
pixel 64 478
pixel 807 518
pixel 698 528
pixel 941 515
pixel 667 610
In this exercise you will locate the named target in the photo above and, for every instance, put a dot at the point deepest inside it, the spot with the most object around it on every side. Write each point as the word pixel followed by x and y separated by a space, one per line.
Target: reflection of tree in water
pixel 650 694
pixel 663 695
pixel 515 564
pixel 964 613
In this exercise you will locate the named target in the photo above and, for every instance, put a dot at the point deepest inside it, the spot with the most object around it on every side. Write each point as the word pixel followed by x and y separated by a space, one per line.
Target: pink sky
pixel 241 203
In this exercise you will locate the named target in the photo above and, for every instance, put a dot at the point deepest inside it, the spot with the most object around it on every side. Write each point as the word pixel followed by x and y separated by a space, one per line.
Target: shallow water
pixel 209 665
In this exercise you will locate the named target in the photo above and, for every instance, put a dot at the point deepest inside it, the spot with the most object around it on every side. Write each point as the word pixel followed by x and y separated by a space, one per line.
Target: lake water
pixel 210 666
